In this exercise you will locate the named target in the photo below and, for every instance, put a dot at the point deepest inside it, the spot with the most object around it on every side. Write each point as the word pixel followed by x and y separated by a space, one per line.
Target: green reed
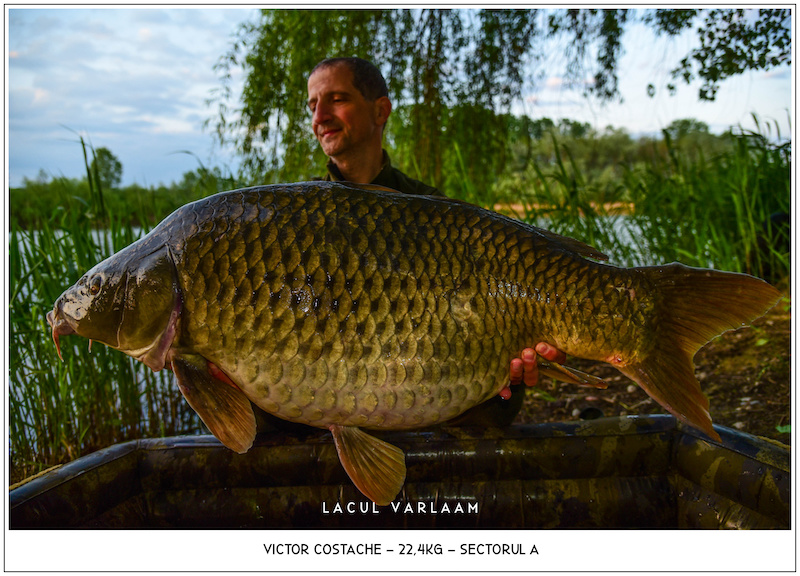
pixel 723 205
pixel 60 410
pixel 680 206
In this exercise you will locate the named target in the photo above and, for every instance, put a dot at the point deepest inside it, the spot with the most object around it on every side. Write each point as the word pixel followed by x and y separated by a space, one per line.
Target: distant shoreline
pixel 518 209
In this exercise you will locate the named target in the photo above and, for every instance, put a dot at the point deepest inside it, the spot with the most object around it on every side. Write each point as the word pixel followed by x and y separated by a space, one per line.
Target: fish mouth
pixel 60 327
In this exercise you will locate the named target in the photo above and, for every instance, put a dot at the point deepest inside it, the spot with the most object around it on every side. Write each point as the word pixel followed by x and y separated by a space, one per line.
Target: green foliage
pixel 60 410
pixel 731 42
pixel 684 127
pixel 33 203
pixel 718 204
pixel 107 168
pixel 703 200
pixel 448 72
pixel 586 27
pixel 277 54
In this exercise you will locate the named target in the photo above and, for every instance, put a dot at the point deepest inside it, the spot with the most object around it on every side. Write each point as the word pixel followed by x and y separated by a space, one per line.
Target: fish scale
pixel 349 307
pixel 409 338
pixel 418 327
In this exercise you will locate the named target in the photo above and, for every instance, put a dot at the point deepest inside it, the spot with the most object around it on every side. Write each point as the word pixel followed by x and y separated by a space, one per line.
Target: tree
pixel 442 84
pixel 731 42
pixel 680 128
pixel 452 75
pixel 574 129
pixel 106 168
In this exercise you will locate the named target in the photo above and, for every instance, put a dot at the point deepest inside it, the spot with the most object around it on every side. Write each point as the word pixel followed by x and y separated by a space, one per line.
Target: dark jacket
pixel 389 177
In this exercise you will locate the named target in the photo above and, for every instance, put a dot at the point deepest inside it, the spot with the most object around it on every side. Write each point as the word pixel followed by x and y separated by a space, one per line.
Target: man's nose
pixel 321 113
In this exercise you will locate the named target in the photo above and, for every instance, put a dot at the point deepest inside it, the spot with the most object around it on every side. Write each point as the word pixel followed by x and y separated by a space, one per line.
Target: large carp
pixel 349 308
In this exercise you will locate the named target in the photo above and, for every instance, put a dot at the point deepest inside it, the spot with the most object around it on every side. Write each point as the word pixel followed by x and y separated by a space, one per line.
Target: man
pixel 350 105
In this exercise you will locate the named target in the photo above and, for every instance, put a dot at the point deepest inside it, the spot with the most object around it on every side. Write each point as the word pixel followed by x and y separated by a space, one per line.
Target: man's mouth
pixel 329 132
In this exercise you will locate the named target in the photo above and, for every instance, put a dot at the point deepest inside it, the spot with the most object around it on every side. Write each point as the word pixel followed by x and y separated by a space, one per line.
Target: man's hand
pixel 525 370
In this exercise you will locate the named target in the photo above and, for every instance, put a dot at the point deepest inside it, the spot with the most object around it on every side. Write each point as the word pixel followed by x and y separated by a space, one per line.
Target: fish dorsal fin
pixel 376 467
pixel 563 242
pixel 572 245
pixel 222 407
pixel 372 187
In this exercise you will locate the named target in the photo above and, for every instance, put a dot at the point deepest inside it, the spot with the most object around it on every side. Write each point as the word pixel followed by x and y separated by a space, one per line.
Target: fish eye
pixel 94 287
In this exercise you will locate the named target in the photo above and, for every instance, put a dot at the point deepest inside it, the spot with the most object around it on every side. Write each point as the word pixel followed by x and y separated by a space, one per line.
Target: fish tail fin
pixel 696 305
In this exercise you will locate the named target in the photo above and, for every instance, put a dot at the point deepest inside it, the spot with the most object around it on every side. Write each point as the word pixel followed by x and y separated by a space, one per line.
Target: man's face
pixel 342 119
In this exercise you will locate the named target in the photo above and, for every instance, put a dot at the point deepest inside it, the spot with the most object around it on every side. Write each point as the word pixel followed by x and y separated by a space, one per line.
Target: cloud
pixel 782 73
pixel 554 82
pixel 145 35
pixel 131 80
pixel 41 96
pixel 552 102
pixel 136 81
pixel 159 124
pixel 561 84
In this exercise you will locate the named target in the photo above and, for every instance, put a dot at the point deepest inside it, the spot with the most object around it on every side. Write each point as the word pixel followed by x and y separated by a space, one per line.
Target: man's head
pixel 367 79
pixel 349 103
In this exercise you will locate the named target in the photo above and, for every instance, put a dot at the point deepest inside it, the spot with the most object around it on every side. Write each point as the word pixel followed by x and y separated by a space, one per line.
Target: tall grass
pixel 719 207
pixel 703 211
pixel 60 410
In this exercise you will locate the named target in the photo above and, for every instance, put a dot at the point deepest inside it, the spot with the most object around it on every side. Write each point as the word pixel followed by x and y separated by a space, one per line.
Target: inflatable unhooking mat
pixel 629 472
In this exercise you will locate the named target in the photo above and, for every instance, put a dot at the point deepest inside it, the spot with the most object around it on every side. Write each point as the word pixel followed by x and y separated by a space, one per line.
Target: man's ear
pixel 383 107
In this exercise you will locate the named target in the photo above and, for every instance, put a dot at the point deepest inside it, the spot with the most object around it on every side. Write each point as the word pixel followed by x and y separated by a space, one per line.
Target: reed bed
pixel 60 410
pixel 701 211
pixel 728 211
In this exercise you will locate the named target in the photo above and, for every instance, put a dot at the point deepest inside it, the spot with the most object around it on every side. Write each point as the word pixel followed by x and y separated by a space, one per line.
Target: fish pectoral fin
pixel 223 408
pixel 566 374
pixel 376 467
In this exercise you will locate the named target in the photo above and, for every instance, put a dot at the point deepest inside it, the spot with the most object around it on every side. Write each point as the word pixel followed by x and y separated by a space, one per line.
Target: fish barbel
pixel 352 307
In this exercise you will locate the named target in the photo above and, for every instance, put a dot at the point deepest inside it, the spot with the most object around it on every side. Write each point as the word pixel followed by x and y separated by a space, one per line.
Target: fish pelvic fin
pixel 697 305
pixel 570 375
pixel 377 468
pixel 223 408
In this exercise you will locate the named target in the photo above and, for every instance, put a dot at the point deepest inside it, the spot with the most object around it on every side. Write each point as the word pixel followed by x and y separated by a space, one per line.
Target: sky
pixel 134 81
pixel 137 81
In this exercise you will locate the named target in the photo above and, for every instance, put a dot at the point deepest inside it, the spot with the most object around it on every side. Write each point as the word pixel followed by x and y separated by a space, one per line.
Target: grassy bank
pixel 704 209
